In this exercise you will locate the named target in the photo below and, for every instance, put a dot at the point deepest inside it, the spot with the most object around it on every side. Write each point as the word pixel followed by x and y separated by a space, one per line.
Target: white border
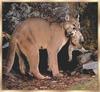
pixel 48 1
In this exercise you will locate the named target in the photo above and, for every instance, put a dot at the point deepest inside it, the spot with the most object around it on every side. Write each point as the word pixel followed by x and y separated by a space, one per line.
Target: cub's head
pixel 72 30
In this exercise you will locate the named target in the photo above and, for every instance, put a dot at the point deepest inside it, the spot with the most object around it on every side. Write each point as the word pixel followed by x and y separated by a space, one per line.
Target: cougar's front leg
pixel 53 63
pixel 33 58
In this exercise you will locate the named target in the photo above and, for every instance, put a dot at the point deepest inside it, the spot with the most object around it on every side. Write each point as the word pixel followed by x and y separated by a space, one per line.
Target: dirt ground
pixel 76 82
pixel 16 81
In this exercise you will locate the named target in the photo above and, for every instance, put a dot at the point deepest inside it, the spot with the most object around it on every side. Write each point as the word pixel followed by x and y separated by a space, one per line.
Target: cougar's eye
pixel 74 28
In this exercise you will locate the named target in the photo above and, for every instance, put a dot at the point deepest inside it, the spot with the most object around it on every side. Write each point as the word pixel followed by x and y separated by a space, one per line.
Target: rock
pixel 88 62
pixel 91 65
pixel 85 57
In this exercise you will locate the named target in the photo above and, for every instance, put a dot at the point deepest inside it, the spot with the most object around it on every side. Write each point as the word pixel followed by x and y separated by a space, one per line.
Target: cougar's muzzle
pixel 68 34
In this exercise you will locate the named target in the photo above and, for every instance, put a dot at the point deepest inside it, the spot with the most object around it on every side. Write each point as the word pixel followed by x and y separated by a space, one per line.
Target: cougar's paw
pixel 43 77
pixel 47 77
pixel 58 75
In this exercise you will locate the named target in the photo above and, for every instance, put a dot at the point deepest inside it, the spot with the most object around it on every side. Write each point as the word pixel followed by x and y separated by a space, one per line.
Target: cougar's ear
pixel 67 17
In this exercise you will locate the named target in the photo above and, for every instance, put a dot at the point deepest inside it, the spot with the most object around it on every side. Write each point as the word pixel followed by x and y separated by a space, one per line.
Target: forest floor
pixel 80 82
pixel 16 81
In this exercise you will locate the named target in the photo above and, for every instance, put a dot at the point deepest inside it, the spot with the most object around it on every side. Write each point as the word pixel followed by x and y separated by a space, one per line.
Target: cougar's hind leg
pixel 11 55
pixel 21 61
pixel 34 64
pixel 22 66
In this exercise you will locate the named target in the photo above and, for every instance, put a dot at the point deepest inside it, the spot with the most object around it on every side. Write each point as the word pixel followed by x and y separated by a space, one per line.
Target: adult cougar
pixel 35 33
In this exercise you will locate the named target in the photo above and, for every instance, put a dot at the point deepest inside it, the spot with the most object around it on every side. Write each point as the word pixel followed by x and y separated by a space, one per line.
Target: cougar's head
pixel 72 30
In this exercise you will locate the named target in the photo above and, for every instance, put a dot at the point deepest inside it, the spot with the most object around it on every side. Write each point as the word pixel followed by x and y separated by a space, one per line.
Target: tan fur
pixel 33 34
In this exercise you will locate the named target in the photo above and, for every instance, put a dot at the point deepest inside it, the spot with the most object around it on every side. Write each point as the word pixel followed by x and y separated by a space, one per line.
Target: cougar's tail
pixel 11 54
